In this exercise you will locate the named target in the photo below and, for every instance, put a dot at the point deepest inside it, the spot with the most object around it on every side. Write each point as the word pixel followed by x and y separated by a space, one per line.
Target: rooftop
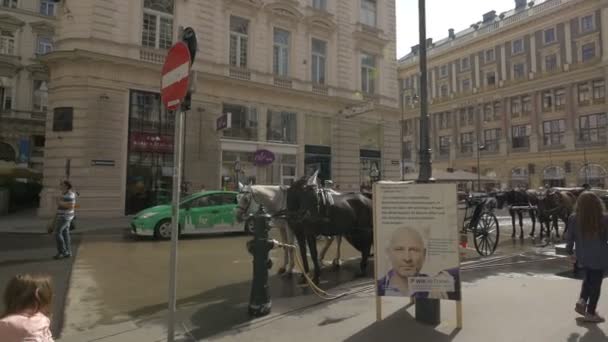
pixel 491 23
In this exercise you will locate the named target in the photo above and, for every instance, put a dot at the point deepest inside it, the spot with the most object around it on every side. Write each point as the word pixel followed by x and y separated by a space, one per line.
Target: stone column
pixel 568 43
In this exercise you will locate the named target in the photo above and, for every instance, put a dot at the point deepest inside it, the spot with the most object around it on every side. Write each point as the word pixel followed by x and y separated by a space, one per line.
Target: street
pixel 117 278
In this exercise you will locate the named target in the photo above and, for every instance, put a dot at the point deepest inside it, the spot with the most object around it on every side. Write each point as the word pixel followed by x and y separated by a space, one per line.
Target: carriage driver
pixel 407 254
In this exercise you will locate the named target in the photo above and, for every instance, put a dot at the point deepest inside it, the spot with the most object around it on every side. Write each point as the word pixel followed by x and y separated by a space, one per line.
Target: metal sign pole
pixel 177 179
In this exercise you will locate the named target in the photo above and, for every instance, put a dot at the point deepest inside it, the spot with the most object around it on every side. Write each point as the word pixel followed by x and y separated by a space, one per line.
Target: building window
pixel 444 145
pixel 515 107
pixel 47 7
pixel 239 39
pixel 491 139
pixel 408 127
pixel 584 96
pixel 407 150
pixel 318 131
pixel 467 117
pixel 41 96
pixel 497 110
pixel 517 46
pixel 490 56
pixel 9 3
pixel 444 120
pixel 6 98
pixel 560 99
pixel 244 123
pixel 588 52
pixel 368 12
pixel 551 63
pixel 599 91
pixel 319 4
pixel 553 132
pixel 518 71
pixel 443 90
pixel 45 45
pixel 488 112
pixel 466 84
pixel 465 63
pixel 466 142
pixel 521 136
pixel 549 35
pixel 319 55
pixel 592 128
pixel 157 29
pixel 587 23
pixel 526 105
pixel 7 43
pixel 490 78
pixel 281 127
pixel 443 71
pixel 368 73
pixel 281 52
pixel 547 101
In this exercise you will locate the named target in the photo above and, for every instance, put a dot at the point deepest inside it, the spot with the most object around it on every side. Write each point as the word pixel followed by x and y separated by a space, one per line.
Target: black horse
pixel 313 211
pixel 519 198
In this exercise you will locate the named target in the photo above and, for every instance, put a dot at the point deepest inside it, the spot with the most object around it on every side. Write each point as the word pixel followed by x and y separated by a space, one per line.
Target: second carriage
pixel 476 216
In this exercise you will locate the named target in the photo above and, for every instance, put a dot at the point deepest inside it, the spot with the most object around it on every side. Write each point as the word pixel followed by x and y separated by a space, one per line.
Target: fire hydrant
pixel 259 247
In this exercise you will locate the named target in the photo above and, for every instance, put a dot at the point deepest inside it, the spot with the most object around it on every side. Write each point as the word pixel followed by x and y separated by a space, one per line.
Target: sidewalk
pixel 506 307
pixel 27 222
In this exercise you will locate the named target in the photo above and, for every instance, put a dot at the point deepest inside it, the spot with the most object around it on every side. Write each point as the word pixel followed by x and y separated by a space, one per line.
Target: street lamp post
pixel 427 310
pixel 237 171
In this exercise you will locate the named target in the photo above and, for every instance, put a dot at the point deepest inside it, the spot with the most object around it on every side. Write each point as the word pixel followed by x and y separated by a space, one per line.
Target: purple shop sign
pixel 263 157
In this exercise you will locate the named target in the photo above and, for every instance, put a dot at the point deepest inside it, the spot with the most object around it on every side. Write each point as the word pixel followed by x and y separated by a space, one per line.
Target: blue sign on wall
pixel 24 150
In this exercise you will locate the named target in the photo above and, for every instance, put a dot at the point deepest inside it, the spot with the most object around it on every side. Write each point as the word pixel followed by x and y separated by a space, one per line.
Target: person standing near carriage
pixel 588 231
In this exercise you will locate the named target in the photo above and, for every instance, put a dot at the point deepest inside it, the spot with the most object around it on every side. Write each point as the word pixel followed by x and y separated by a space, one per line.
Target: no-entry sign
pixel 175 74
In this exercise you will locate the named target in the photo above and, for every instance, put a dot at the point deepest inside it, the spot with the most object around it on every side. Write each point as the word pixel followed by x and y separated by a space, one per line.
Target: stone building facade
pixel 287 71
pixel 26 34
pixel 524 91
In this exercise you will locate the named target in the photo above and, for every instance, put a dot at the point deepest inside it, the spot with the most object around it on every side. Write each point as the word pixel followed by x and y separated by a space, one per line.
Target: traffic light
pixel 189 38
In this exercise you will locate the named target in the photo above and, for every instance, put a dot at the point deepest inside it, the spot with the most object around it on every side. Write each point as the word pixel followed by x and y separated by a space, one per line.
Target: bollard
pixel 428 311
pixel 259 247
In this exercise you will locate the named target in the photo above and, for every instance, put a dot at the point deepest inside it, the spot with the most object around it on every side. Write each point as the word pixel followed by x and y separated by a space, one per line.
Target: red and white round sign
pixel 174 76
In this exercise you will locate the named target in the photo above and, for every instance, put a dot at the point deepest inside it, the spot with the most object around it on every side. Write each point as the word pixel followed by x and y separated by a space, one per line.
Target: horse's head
pixel 302 196
pixel 244 201
pixel 501 198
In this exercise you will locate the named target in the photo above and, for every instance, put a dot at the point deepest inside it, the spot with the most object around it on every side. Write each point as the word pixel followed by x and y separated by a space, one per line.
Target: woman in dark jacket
pixel 588 230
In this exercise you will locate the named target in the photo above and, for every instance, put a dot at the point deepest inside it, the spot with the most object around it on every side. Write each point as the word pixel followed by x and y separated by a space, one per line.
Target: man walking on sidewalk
pixel 65 214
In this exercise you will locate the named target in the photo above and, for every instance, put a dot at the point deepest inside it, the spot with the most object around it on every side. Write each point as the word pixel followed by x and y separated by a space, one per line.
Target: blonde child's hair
pixel 27 292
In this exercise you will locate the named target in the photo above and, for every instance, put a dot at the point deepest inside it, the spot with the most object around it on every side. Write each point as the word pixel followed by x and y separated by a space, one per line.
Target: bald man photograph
pixel 407 253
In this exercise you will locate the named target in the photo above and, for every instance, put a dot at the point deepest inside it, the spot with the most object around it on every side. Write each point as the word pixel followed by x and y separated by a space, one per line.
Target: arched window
pixel 7 152
pixel 594 175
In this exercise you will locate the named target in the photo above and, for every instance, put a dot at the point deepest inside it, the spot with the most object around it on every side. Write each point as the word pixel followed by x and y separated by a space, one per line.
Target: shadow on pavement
pixel 397 327
pixel 593 334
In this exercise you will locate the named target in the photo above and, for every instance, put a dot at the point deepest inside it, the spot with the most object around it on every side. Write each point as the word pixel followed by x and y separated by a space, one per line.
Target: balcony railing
pixel 240 73
pixel 283 82
pixel 320 89
pixel 152 55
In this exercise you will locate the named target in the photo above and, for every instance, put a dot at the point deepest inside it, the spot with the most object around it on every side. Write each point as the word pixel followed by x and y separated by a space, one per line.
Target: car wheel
pixel 163 228
pixel 249 226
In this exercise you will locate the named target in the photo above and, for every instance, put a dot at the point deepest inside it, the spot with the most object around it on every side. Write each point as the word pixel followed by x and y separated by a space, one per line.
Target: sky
pixel 441 15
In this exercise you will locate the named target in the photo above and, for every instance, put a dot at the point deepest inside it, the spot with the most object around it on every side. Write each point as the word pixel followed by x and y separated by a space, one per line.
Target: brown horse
pixel 555 205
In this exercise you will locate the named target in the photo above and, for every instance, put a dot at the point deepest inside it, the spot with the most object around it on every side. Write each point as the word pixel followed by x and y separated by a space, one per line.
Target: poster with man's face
pixel 416 237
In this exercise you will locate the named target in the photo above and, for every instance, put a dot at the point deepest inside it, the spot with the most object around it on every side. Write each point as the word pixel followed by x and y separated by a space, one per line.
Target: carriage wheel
pixel 486 234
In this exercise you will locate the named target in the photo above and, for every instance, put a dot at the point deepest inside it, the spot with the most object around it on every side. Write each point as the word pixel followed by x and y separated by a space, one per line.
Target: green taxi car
pixel 200 213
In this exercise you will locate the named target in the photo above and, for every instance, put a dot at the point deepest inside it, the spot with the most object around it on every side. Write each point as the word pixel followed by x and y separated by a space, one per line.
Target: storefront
pixel 318 147
pixel 150 152
pixel 554 176
pixel 519 178
pixel 370 156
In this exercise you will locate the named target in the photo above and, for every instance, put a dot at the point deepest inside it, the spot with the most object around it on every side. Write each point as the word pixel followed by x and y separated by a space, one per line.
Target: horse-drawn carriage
pixel 476 216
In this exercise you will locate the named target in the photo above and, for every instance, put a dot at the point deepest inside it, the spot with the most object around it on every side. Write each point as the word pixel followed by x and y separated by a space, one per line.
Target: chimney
pixel 415 49
pixel 520 4
pixel 488 17
pixel 451 34
pixel 429 42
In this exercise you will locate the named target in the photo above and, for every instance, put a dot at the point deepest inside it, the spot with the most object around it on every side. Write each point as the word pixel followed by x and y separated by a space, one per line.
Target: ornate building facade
pixel 522 93
pixel 287 71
